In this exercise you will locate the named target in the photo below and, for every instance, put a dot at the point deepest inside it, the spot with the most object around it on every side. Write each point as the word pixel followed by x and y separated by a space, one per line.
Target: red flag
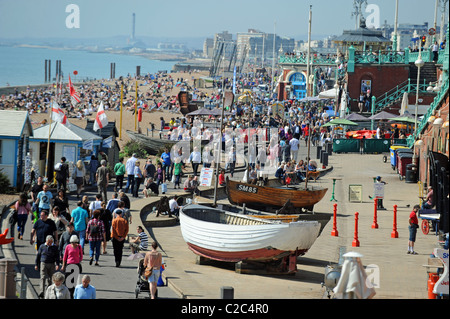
pixel 75 97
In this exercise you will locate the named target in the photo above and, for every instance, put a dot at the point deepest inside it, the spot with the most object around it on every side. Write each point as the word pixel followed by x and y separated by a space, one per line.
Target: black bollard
pixel 319 149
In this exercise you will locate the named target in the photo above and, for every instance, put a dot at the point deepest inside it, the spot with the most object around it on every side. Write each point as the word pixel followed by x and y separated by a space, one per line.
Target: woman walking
pixel 138 178
pixel 73 255
pixel 78 174
pixel 95 233
pixel 23 208
pixel 62 202
pixel 153 260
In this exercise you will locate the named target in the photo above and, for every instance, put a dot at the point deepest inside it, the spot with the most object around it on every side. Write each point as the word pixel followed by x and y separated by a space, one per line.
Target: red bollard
pixel 355 242
pixel 334 232
pixel 375 224
pixel 394 233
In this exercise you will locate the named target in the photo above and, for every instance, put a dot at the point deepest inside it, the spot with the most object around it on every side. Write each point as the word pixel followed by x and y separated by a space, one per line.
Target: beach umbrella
pixel 356 117
pixel 353 282
pixel 404 106
pixel 383 115
pixel 403 119
pixel 339 122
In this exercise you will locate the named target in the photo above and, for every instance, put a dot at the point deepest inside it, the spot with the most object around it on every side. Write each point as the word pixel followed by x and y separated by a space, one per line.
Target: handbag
pixel 148 272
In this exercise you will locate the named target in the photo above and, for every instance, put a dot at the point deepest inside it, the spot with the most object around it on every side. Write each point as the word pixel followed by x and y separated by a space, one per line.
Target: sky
pixel 195 18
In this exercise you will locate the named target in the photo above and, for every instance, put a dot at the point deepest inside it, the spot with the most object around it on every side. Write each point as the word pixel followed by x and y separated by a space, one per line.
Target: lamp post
pixel 419 63
pixel 394 43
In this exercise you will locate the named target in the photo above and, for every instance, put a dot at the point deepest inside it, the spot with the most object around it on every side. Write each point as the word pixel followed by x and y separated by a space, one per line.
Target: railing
pixel 396 93
pixel 427 56
pixel 380 57
pixel 368 57
pixel 423 123
pixel 302 59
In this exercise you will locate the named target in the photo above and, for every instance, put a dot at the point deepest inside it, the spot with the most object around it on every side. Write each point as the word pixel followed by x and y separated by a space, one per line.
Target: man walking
pixel 130 165
pixel 80 219
pixel 119 171
pixel 42 228
pixel 102 177
pixel 294 143
pixel 47 261
pixel 119 231
pixel 62 174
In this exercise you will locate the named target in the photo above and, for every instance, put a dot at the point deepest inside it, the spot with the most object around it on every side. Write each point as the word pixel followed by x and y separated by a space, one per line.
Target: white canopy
pixel 329 94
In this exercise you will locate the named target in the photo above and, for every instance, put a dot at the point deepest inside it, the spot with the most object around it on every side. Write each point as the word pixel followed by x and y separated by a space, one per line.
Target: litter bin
pixel 393 152
pixel 411 174
pixel 403 160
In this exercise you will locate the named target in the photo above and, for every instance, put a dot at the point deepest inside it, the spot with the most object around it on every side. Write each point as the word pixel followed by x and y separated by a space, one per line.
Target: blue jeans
pixel 82 237
pixel 130 183
pixel 94 246
pixel 21 221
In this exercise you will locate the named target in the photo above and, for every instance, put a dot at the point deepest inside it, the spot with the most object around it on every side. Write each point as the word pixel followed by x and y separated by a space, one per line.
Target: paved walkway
pixel 400 275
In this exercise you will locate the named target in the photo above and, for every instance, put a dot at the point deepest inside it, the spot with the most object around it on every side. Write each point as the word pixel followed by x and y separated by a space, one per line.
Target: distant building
pixel 208 48
pixel 361 38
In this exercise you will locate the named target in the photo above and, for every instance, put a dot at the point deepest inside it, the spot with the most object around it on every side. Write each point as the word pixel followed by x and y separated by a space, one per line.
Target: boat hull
pixel 222 236
pixel 259 196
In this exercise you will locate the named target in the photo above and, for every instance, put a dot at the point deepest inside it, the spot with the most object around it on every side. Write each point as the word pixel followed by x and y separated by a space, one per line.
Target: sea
pixel 26 65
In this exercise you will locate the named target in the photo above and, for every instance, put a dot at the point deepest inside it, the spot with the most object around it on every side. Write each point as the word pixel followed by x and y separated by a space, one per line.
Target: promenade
pixel 401 276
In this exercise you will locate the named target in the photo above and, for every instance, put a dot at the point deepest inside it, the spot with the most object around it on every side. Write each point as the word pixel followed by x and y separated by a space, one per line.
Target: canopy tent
pixel 200 112
pixel 339 122
pixel 356 117
pixel 329 94
pixel 310 99
pixel 383 115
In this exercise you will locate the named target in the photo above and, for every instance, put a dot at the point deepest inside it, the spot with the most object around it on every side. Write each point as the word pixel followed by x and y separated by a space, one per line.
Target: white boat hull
pixel 231 242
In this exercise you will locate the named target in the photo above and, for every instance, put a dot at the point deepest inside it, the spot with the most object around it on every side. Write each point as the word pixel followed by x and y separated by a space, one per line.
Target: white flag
pixel 100 121
pixel 58 114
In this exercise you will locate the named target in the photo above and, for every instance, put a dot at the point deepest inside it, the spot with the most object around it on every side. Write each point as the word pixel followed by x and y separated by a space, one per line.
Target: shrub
pixel 4 182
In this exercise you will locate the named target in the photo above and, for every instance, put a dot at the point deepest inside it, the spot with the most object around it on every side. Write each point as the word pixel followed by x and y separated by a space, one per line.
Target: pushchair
pixel 142 284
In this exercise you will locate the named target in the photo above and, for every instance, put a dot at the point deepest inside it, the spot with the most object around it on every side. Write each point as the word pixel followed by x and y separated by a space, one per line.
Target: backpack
pixel 94 229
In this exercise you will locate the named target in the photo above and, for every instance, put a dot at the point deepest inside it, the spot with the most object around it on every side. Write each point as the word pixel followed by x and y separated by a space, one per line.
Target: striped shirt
pixel 143 240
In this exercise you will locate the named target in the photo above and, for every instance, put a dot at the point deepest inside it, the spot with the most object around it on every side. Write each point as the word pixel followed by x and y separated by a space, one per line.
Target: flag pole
pixel 48 140
pixel 121 108
pixel 136 107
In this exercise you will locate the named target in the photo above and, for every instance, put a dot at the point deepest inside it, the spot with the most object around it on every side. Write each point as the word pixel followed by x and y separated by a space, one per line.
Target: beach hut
pixel 109 134
pixel 69 141
pixel 15 132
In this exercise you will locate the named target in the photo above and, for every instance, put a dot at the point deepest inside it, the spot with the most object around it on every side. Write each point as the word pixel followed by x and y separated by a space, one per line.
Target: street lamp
pixel 419 64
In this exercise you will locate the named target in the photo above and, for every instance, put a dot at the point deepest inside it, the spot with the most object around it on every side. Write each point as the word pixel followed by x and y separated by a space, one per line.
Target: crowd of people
pixel 60 235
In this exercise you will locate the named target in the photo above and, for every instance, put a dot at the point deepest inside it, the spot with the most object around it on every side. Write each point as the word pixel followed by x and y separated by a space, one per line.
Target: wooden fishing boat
pixel 256 196
pixel 152 144
pixel 231 237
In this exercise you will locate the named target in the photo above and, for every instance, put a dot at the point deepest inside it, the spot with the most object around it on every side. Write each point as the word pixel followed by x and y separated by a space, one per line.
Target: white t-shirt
pixel 173 205
pixel 294 144
pixel 130 165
